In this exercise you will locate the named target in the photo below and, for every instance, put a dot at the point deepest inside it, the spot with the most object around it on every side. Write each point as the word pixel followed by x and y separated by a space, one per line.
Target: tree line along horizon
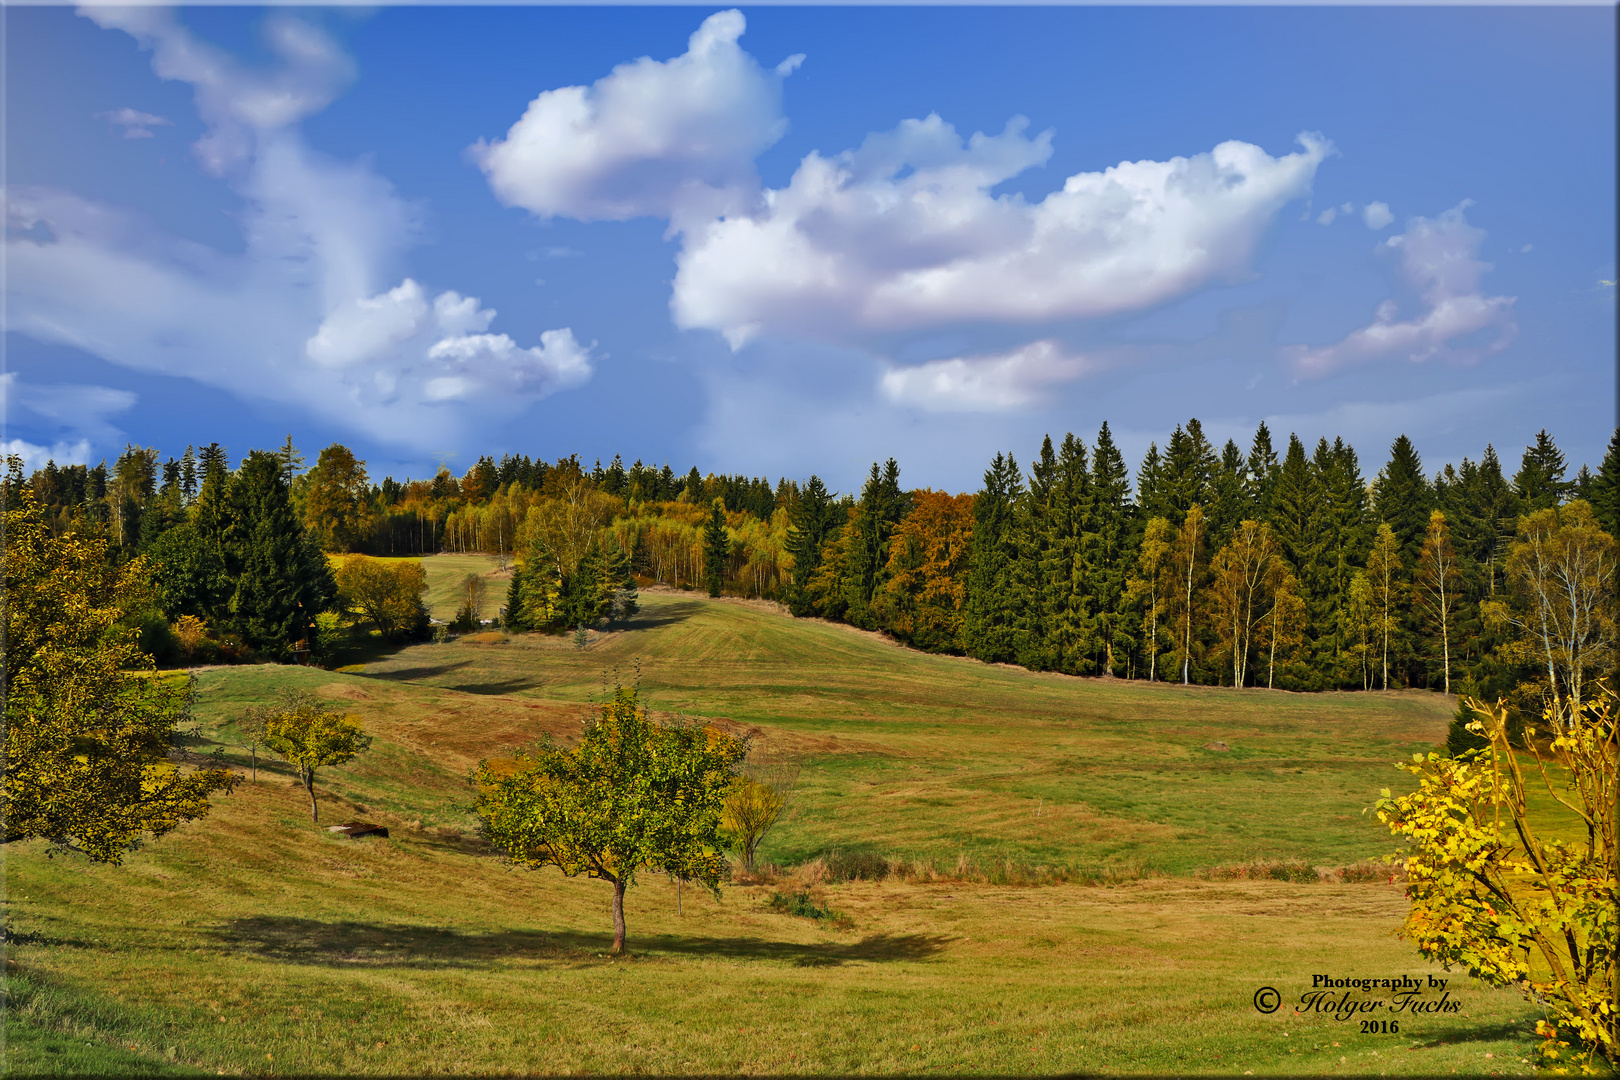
pixel 1290 570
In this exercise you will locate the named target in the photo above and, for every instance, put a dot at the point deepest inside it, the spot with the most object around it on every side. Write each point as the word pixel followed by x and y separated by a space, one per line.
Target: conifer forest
pixel 1280 565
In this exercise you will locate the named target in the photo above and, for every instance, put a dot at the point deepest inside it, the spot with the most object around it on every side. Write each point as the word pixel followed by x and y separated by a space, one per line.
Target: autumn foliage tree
pixel 88 726
pixel 388 594
pixel 308 737
pixel 1561 577
pixel 634 795
pixel 1492 894
pixel 925 582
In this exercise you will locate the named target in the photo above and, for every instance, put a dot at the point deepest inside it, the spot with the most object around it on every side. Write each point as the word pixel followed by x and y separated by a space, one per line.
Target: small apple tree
pixel 635 795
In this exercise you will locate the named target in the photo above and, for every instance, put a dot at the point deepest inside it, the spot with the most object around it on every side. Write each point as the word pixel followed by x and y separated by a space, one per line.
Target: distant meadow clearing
pixel 1016 873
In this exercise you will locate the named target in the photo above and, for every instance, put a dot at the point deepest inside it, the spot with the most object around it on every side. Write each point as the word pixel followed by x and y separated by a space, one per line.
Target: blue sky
pixel 792 240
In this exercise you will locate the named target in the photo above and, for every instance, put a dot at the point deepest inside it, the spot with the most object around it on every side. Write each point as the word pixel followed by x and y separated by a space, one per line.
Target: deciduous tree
pixel 635 795
pixel 309 738
pixel 1561 575
pixel 88 726
pixel 1491 893
pixel 388 593
pixel 1436 583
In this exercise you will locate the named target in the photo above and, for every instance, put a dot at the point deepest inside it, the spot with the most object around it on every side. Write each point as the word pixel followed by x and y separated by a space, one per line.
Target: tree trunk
pixel 309 785
pixel 618 917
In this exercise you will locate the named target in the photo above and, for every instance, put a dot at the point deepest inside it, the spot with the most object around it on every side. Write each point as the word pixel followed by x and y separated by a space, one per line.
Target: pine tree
pixel 1606 488
pixel 1340 535
pixel 1106 554
pixel 1293 502
pixel 716 549
pixel 1540 483
pixel 292 462
pixel 812 520
pixel 1261 473
pixel 1151 499
pixel 1032 589
pixel 881 507
pixel 282 578
pixel 1402 498
pixel 1228 501
pixel 1188 471
pixel 989 618
pixel 188 475
pixel 515 619
pixel 1069 591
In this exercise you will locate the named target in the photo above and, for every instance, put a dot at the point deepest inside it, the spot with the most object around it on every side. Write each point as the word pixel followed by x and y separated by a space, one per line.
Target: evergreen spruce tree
pixel 1229 502
pixel 692 490
pixel 514 617
pixel 1261 473
pixel 188 475
pixel 1068 591
pixel 1188 471
pixel 881 507
pixel 716 549
pixel 988 617
pixel 1032 589
pixel 1108 554
pixel 1540 483
pixel 1402 498
pixel 1151 498
pixel 812 520
pixel 1606 488
pixel 1293 502
pixel 1494 502
pixel 282 578
pixel 1341 533
pixel 292 462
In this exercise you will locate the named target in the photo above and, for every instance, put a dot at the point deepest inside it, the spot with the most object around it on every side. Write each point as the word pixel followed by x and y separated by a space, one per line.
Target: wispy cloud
pixel 1438 264
pixel 135 124
pixel 315 312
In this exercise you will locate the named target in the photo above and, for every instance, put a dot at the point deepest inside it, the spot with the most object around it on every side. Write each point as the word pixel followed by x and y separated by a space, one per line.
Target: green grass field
pixel 255 942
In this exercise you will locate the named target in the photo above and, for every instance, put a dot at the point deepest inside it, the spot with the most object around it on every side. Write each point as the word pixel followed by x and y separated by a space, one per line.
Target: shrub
pixel 1265 870
pixel 808 904
pixel 856 866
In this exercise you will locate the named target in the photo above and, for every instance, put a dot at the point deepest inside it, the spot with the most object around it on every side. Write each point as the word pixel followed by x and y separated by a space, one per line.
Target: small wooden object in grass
pixel 354 830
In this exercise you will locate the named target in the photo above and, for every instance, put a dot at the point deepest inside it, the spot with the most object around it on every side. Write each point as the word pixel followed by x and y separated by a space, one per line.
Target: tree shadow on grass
pixel 1461 1033
pixel 497 688
pixel 413 674
pixel 662 615
pixel 363 944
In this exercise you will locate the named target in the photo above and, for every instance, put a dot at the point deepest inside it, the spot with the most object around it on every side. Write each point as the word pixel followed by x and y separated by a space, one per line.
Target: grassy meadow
pixel 1050 907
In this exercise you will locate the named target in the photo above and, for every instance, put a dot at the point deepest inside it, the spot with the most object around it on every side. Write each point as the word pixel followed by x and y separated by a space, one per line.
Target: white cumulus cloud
pixel 1376 215
pixel 34 456
pixel 904 234
pixel 315 312
pixel 1438 263
pixel 659 138
pixel 995 383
